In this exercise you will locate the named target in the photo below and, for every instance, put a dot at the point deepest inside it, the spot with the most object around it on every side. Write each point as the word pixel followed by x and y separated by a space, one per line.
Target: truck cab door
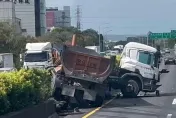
pixel 144 64
pixel 157 74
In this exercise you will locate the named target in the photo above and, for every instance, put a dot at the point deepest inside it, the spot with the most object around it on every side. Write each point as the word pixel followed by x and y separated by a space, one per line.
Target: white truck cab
pixel 138 70
pixel 136 56
pixel 38 55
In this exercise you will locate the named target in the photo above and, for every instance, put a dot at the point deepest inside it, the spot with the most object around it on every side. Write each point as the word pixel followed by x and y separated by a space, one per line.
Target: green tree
pixel 63 35
pixel 91 37
pixel 12 42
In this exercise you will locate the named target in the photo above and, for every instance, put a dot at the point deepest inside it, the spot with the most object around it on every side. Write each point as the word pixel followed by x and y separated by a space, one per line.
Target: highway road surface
pixel 149 106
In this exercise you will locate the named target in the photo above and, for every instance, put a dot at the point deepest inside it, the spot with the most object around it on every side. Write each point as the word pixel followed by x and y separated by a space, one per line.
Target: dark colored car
pixel 167 50
pixel 169 60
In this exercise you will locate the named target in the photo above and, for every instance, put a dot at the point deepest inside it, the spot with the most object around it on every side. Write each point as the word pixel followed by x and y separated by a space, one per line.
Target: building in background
pixel 58 18
pixel 43 16
pixel 33 16
pixel 7 14
pixel 25 10
pixel 40 17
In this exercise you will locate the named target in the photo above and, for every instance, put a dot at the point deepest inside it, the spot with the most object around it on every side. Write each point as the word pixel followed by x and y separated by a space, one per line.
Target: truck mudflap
pixel 68 91
pixel 71 92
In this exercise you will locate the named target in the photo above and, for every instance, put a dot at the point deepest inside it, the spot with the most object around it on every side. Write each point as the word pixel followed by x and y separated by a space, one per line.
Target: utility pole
pixel 99 35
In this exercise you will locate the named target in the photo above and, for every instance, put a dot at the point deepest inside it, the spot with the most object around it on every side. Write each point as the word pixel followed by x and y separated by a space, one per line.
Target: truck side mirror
pixel 164 71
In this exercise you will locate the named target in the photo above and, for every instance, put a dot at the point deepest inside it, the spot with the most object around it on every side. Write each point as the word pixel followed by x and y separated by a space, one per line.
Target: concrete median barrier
pixel 43 110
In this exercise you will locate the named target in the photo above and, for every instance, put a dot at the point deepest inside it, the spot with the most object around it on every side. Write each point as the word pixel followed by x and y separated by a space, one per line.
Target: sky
pixel 132 17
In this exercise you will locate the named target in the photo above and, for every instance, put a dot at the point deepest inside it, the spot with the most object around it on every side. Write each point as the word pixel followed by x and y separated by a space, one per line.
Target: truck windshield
pixel 146 58
pixel 36 57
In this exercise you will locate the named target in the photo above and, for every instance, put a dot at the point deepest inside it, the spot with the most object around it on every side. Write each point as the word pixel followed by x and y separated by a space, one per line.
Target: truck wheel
pixel 98 101
pixel 131 89
pixel 158 78
pixel 79 98
pixel 157 93
pixel 57 94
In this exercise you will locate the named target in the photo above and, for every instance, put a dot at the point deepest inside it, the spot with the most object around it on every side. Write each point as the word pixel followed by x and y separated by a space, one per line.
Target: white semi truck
pixel 38 55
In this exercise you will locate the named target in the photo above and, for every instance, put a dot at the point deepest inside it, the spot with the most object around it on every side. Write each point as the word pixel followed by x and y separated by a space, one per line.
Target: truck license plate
pixel 68 91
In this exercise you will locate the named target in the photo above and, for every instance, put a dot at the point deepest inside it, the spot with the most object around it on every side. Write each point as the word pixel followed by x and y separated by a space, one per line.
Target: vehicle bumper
pixel 72 91
pixel 150 85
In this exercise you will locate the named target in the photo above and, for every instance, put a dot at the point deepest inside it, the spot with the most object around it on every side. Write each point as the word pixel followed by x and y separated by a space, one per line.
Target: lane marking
pixel 174 101
pixel 97 109
pixel 169 115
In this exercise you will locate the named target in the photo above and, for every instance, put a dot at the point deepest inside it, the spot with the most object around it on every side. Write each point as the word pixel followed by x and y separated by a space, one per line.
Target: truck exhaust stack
pixel 74 40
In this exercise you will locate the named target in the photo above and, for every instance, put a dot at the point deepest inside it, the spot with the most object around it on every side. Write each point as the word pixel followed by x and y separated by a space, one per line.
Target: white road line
pixel 174 101
pixel 169 115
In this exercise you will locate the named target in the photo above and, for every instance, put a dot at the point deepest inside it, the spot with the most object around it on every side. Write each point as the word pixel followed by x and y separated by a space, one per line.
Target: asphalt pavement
pixel 149 106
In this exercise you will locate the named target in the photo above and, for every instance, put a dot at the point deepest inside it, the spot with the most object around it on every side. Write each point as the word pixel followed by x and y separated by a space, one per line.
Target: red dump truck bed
pixel 85 64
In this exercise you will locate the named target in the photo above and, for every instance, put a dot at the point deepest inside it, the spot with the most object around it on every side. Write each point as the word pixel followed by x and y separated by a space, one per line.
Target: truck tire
pixel 79 98
pixel 159 78
pixel 57 94
pixel 165 63
pixel 130 83
pixel 98 101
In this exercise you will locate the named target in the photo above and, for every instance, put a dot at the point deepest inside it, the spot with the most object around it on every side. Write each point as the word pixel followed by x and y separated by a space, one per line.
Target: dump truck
pixel 84 75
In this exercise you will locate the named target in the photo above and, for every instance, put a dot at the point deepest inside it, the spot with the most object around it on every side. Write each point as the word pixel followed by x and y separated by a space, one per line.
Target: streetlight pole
pixel 99 35
pixel 107 32
pixel 99 31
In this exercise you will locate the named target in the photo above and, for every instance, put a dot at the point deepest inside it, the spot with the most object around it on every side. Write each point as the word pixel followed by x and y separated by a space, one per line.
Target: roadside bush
pixel 23 88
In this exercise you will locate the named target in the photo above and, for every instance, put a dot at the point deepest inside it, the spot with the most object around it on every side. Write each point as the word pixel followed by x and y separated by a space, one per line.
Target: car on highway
pixel 162 52
pixel 169 60
pixel 167 50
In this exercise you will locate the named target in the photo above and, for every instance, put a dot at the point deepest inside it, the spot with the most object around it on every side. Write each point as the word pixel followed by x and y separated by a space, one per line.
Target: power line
pixel 117 17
